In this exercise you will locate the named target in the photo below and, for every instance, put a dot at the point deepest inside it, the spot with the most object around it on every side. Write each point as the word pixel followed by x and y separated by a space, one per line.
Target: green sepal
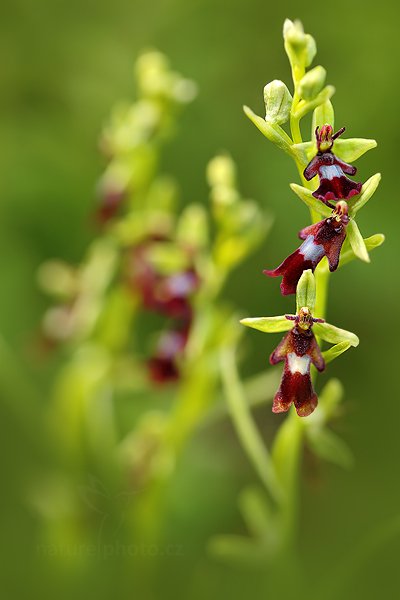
pixel 335 335
pixel 312 203
pixel 272 131
pixel 335 351
pixel 367 190
pixel 306 291
pixel 322 115
pixel 268 324
pixel 357 241
pixel 348 150
pixel 351 149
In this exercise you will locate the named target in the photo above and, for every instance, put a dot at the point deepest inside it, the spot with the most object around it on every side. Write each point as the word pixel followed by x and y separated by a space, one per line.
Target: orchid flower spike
pixel 324 238
pixel 333 183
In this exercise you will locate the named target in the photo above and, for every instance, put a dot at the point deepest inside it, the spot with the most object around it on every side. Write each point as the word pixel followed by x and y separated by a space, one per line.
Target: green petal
pixel 368 189
pixel 273 132
pixel 335 335
pixel 313 203
pixel 268 324
pixel 335 351
pixel 306 290
pixel 357 241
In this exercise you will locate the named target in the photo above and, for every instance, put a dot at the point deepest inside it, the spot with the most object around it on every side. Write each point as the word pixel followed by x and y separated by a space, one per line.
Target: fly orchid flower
pixel 324 238
pixel 333 183
pixel 299 348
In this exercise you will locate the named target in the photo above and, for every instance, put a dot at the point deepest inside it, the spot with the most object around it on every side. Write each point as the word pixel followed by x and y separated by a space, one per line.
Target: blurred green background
pixel 64 64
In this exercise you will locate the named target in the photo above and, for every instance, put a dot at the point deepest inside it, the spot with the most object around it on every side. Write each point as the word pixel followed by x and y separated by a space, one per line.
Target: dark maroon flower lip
pixel 331 170
pixel 324 238
pixel 298 349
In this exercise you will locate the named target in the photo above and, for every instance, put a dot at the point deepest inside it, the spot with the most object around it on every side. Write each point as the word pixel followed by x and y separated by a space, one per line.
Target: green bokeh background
pixel 64 64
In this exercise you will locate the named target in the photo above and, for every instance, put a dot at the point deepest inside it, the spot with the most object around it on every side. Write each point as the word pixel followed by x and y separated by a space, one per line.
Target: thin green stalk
pixel 245 427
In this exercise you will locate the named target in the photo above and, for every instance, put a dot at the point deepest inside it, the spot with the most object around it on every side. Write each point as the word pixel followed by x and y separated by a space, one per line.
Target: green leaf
pixel 306 291
pixel 331 395
pixel 328 400
pixel 335 335
pixel 312 203
pixel 357 241
pixel 237 549
pixel 268 324
pixel 329 446
pixel 256 511
pixel 273 132
pixel 368 189
pixel 348 255
pixel 335 351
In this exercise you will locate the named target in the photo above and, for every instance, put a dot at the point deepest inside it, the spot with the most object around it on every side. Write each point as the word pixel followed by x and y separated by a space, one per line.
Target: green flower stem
pixel 295 125
pixel 287 455
pixel 245 427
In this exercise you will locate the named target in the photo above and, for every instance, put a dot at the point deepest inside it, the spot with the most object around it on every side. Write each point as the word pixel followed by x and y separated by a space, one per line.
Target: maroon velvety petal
pixel 311 230
pixel 331 237
pixel 291 270
pixel 338 188
pixel 299 348
pixel 295 388
pixel 282 349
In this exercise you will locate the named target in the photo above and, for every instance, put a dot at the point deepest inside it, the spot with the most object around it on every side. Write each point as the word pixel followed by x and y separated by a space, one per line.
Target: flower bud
pixel 278 102
pixel 221 170
pixel 312 83
pixel 300 47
